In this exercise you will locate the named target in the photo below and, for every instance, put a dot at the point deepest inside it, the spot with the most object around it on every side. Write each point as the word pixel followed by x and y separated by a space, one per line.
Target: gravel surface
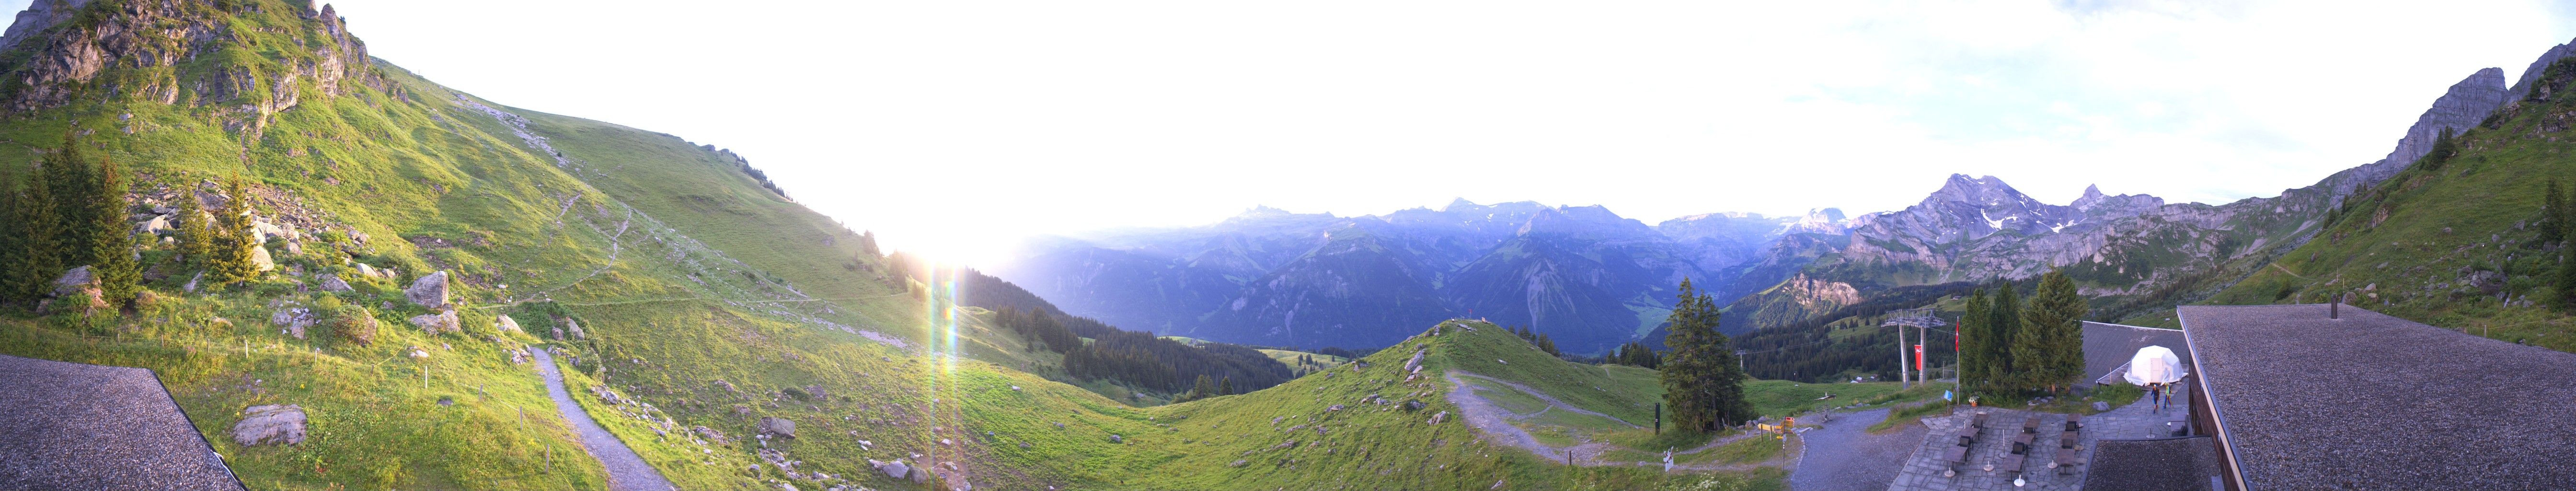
pixel 2370 401
pixel 78 426
pixel 2171 464
pixel 1843 456
pixel 626 471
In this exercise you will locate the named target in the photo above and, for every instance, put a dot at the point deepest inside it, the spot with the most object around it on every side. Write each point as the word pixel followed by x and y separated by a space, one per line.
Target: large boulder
pixel 506 324
pixel 76 280
pixel 575 329
pixel 893 468
pixel 429 291
pixel 333 283
pixel 280 424
pixel 259 257
pixel 157 225
pixel 778 427
pixel 367 271
pixel 442 322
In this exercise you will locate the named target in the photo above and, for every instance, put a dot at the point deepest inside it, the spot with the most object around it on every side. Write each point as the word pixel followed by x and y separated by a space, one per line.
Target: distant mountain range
pixel 1592 279
pixel 1582 274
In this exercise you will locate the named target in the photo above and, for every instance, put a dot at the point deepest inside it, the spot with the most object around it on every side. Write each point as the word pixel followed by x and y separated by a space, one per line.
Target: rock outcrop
pixel 442 322
pixel 333 283
pixel 506 324
pixel 75 283
pixel 777 427
pixel 277 424
pixel 428 291
pixel 294 319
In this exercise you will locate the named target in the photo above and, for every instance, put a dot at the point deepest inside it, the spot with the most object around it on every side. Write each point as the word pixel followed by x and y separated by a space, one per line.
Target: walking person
pixel 2157 391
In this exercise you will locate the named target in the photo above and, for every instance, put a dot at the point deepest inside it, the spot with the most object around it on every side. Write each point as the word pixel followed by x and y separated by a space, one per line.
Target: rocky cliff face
pixel 2462 107
pixel 2522 86
pixel 157 41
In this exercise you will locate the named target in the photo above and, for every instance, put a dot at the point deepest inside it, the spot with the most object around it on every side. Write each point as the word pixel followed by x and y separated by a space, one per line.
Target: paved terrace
pixel 2370 401
pixel 77 426
pixel 1925 470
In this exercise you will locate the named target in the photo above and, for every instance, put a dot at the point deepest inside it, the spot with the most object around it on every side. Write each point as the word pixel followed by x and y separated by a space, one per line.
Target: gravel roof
pixel 2168 464
pixel 77 426
pixel 2109 346
pixel 2371 401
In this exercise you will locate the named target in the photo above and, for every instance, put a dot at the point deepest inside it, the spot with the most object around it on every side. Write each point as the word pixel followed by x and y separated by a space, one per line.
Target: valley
pixel 449 292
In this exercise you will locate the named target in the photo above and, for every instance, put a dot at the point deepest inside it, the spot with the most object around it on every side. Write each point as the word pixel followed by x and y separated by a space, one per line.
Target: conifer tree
pixel 1975 343
pixel 2443 149
pixel 2567 278
pixel 35 227
pixel 1202 389
pixel 1225 386
pixel 112 242
pixel 2051 344
pixel 70 185
pixel 232 256
pixel 1703 387
pixel 2553 214
pixel 195 236
pixel 2003 325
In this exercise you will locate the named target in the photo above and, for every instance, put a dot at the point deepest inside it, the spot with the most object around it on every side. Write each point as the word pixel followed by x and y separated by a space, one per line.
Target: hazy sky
pixel 956 127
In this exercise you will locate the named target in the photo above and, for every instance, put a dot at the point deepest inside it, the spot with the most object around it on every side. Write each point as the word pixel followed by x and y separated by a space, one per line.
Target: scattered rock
pixel 429 291
pixel 507 324
pixel 780 427
pixel 1336 407
pixel 1415 365
pixel 281 424
pixel 1117 439
pixel 367 271
pixel 333 283
pixel 1436 418
pixel 191 287
pixel 894 469
pixel 1238 463
pixel 419 352
pixel 157 225
pixel 259 257
pixel 558 334
pixel 294 319
pixel 575 328
pixel 77 280
pixel 442 322
pixel 2099 406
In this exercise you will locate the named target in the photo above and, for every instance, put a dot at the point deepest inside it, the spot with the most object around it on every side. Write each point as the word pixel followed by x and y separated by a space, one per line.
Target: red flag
pixel 1918 357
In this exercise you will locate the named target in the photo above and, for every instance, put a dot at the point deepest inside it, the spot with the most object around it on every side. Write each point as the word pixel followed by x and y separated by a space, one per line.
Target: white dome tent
pixel 2154 365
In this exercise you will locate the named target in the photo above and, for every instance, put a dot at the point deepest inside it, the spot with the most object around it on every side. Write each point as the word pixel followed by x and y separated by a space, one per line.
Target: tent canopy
pixel 2154 365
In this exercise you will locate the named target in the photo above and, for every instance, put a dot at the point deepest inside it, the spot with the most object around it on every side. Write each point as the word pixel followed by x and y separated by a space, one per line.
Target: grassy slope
pixel 1195 445
pixel 689 279
pixel 2440 227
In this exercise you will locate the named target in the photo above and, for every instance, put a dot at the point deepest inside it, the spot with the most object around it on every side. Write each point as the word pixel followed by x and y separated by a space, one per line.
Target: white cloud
pixel 958 126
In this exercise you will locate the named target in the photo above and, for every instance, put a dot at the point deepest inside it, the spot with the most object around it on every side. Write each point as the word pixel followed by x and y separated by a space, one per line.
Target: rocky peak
pixel 1820 221
pixel 40 14
pixel 2521 88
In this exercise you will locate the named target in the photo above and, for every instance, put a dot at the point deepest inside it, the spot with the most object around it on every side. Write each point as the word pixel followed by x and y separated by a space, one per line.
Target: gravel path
pixel 1843 456
pixel 1496 423
pixel 626 471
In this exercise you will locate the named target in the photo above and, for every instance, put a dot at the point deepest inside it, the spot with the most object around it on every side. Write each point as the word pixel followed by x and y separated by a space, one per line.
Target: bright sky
pixel 957 127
